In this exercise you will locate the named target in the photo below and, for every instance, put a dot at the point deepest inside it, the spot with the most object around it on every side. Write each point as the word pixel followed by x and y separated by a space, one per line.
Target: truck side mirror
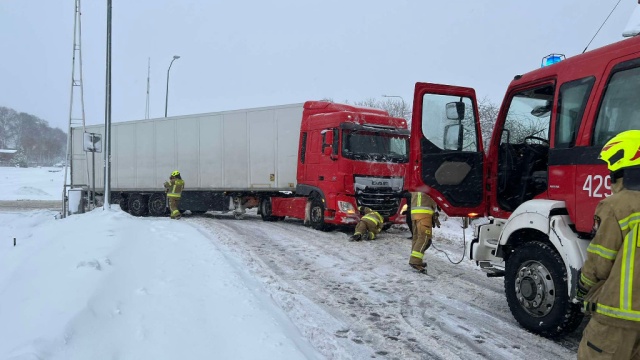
pixel 455 110
pixel 452 136
pixel 328 137
pixel 327 149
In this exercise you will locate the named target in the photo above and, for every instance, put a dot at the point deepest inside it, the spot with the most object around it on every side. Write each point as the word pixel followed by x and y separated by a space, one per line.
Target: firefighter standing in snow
pixel 423 217
pixel 173 188
pixel 369 226
pixel 609 281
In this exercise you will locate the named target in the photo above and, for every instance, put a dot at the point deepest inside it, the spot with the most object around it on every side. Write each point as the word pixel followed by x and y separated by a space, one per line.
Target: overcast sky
pixel 239 54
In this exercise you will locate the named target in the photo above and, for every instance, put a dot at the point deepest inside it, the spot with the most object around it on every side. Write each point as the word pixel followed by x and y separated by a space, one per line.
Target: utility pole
pixel 166 100
pixel 146 112
pixel 107 116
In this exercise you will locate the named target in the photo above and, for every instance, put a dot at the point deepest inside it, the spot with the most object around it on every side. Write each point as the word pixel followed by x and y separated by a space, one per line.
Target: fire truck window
pixel 620 108
pixel 529 116
pixel 572 101
pixel 443 132
pixel 524 147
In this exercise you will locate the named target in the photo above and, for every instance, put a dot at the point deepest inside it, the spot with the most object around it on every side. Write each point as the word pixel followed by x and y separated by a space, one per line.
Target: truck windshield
pixel 375 146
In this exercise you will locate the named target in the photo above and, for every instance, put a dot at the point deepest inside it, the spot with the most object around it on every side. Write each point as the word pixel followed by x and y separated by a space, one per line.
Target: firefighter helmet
pixel 364 210
pixel 622 151
pixel 175 173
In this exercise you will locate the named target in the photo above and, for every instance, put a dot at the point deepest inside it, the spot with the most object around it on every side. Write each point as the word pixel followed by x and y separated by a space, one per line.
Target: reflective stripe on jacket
pixel 612 256
pixel 422 204
pixel 375 217
pixel 175 188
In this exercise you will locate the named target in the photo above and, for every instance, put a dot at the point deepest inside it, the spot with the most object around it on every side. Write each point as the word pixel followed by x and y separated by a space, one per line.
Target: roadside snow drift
pixel 100 286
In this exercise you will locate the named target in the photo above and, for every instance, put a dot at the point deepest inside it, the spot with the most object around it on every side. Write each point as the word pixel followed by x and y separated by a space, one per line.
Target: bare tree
pixel 488 112
pixel 395 108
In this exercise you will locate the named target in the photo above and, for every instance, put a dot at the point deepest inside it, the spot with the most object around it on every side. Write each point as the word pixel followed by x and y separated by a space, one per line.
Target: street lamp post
pixel 166 100
pixel 397 96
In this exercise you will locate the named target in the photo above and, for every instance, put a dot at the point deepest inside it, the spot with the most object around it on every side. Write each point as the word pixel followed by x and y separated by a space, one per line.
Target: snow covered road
pixel 369 303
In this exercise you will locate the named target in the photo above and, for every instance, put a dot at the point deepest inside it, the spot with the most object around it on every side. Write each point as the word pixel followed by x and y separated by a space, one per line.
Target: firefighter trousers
pixel 421 240
pixel 173 207
pixel 366 227
pixel 601 341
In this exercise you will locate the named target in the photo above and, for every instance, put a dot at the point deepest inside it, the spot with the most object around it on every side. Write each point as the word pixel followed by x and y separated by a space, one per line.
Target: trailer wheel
pixel 265 210
pixel 157 205
pixel 124 203
pixel 138 205
pixel 537 291
pixel 316 214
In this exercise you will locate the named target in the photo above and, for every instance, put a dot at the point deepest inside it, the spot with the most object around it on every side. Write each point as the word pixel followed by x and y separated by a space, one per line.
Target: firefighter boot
pixel 355 237
pixel 421 268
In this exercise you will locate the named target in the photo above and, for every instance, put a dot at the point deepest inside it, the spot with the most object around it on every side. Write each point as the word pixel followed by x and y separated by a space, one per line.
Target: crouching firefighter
pixel 423 217
pixel 174 188
pixel 609 281
pixel 369 226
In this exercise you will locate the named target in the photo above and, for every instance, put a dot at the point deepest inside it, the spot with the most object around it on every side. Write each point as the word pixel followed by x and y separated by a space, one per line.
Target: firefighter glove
pixel 581 292
pixel 436 219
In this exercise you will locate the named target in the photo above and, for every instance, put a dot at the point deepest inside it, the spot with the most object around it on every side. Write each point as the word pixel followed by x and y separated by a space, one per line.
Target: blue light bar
pixel 552 59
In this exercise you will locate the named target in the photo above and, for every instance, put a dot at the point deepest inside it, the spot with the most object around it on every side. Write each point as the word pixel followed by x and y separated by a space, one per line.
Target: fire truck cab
pixel 540 179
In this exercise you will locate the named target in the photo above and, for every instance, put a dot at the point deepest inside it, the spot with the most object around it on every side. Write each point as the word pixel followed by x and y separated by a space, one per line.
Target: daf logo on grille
pixel 379 182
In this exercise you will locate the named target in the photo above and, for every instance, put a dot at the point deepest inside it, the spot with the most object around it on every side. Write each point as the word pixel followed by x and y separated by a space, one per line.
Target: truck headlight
pixel 346 207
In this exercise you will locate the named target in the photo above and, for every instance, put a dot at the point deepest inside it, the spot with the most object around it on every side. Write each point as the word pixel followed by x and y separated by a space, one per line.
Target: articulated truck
pixel 540 180
pixel 318 161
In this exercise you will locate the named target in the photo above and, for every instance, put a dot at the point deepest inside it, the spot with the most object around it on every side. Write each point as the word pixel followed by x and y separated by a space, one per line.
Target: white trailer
pixel 227 159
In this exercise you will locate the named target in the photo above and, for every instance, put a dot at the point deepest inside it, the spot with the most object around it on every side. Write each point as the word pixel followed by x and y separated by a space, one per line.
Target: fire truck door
pixel 446 156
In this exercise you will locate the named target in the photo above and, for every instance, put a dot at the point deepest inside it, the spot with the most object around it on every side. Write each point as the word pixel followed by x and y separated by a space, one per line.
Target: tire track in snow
pixel 454 312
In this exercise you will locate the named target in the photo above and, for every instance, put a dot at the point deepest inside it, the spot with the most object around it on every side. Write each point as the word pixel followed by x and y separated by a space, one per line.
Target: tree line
pixel 487 111
pixel 35 141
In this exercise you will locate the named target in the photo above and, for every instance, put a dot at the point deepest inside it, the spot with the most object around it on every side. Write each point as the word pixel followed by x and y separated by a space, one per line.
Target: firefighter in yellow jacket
pixel 423 218
pixel 609 281
pixel 174 188
pixel 369 226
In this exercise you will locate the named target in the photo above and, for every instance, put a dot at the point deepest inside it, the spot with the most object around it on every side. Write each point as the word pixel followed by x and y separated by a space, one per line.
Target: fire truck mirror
pixel 453 137
pixel 455 110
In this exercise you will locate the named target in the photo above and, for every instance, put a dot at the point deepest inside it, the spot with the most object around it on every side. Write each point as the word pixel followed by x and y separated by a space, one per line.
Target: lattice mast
pixel 76 113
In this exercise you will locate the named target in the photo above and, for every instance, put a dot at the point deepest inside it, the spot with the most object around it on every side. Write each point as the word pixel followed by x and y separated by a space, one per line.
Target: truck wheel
pixel 537 291
pixel 157 205
pixel 138 205
pixel 265 210
pixel 124 203
pixel 316 214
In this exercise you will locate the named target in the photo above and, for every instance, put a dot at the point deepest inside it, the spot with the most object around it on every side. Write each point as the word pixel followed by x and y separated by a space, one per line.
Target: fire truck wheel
pixel 157 205
pixel 537 293
pixel 138 205
pixel 316 213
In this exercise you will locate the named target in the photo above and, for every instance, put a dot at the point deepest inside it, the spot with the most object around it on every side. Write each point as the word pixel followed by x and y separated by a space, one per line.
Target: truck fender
pixel 306 190
pixel 541 215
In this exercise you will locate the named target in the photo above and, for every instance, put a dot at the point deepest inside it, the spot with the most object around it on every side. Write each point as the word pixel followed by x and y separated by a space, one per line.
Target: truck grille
pixel 381 199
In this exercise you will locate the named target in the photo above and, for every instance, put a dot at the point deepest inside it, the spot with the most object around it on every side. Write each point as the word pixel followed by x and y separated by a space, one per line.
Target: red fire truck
pixel 540 179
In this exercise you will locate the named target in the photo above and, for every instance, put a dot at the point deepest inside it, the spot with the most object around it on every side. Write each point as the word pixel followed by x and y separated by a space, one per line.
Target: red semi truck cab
pixel 348 156
pixel 541 178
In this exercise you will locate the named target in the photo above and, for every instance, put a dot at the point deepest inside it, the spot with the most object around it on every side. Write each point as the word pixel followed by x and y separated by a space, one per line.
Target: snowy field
pixel 106 285
pixel 31 183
